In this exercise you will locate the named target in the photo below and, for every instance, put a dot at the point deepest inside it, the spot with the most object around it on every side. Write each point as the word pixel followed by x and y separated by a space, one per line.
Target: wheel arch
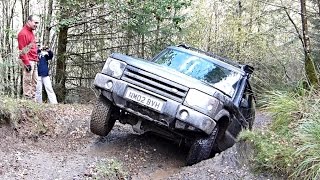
pixel 223 120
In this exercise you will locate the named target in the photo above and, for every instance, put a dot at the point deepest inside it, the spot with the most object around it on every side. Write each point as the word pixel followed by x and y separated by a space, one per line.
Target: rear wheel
pixel 201 148
pixel 101 121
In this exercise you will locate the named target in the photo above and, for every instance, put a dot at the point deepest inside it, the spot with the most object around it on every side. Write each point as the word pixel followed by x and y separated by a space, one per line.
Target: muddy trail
pixel 61 147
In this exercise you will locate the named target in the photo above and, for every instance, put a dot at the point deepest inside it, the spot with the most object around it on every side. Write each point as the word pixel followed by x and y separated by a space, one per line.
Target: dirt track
pixel 70 151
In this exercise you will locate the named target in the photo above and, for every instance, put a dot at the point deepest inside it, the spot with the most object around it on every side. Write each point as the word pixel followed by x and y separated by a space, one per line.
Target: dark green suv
pixel 184 94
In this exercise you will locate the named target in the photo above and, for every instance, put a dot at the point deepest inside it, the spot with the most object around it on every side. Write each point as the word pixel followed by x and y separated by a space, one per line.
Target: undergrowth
pixel 272 152
pixel 291 145
pixel 111 170
pixel 18 112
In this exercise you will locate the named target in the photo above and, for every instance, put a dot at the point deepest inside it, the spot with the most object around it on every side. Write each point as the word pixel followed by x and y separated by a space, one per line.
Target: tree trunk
pixel 318 3
pixel 61 64
pixel 238 41
pixel 46 36
pixel 310 68
pixel 25 9
pixel 142 45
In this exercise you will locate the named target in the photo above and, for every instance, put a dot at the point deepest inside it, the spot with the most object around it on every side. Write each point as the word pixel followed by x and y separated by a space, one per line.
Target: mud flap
pixel 201 148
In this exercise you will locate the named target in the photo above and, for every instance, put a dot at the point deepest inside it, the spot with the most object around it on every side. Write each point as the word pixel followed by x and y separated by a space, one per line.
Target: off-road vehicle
pixel 183 93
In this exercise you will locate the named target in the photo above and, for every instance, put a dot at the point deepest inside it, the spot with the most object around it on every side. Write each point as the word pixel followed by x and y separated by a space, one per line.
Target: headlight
pixel 114 68
pixel 201 102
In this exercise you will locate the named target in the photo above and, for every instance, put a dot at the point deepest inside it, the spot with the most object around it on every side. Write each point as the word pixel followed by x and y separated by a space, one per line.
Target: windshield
pixel 204 70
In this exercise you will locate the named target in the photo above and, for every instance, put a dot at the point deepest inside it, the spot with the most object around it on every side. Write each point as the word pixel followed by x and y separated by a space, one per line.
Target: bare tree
pixel 48 27
pixel 25 6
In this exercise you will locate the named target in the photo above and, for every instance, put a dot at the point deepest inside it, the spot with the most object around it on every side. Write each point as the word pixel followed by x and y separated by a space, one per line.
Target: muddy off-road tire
pixel 201 148
pixel 101 121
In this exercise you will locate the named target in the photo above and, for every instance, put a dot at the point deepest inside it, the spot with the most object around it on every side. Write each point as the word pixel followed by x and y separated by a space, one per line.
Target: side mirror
pixel 248 69
pixel 184 46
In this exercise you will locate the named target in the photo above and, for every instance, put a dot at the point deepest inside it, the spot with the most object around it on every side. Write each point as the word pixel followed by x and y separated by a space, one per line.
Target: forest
pixel 279 38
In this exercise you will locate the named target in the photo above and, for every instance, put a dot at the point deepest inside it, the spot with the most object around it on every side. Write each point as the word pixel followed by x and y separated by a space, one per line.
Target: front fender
pixel 222 113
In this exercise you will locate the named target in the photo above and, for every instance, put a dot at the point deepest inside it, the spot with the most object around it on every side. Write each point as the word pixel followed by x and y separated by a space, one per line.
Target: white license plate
pixel 145 99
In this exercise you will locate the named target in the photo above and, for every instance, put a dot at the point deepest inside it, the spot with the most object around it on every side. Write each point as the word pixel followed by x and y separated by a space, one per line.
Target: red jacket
pixel 27 45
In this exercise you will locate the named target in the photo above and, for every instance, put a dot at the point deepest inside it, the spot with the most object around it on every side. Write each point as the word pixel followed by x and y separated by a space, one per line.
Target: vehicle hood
pixel 168 73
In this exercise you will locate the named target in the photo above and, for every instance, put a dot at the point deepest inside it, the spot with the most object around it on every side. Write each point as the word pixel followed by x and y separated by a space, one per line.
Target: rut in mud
pixel 65 149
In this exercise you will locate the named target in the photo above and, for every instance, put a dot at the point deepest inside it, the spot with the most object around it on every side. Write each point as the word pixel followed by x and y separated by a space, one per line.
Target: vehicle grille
pixel 155 83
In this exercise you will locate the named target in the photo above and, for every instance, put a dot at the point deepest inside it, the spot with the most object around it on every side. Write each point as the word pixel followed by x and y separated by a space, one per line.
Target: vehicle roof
pixel 212 57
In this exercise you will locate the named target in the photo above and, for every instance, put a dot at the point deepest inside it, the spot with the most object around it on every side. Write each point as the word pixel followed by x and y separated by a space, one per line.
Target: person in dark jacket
pixel 45 54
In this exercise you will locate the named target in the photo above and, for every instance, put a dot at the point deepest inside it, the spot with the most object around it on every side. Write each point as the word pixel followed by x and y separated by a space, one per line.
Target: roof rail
pixel 211 55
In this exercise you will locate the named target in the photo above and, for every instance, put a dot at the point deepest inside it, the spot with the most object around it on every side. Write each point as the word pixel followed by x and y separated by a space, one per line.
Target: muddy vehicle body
pixel 184 94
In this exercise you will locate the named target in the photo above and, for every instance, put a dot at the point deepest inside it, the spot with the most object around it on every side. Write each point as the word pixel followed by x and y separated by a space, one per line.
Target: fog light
pixel 184 114
pixel 109 85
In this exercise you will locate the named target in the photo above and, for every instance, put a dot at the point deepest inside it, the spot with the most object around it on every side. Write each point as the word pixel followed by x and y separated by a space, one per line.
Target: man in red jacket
pixel 29 57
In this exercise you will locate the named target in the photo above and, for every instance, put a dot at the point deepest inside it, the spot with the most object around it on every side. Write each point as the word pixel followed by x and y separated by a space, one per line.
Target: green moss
pixel 311 72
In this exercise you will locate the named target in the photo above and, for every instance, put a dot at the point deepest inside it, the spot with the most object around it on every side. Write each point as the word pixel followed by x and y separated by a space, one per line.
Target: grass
pixel 285 109
pixel 17 111
pixel 111 169
pixel 272 152
pixel 309 150
pixel 291 145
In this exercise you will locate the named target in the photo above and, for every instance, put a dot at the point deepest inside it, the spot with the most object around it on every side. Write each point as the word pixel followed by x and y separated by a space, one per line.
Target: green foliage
pixel 16 112
pixel 112 169
pixel 285 107
pixel 69 14
pixel 253 33
pixel 70 21
pixel 292 144
pixel 11 33
pixel 309 150
pixel 157 21
pixel 273 152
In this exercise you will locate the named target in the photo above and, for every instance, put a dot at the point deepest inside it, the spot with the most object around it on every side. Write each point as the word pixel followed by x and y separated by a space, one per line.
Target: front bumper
pixel 170 114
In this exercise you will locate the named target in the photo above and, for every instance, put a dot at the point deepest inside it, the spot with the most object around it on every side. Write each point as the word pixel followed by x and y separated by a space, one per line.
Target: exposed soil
pixel 65 149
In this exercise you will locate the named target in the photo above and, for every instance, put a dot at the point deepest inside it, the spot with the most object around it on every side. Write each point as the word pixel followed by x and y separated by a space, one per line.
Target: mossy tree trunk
pixel 311 71
pixel 61 64
pixel 61 76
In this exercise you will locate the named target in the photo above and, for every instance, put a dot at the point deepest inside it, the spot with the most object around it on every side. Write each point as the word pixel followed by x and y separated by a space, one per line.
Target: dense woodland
pixel 280 38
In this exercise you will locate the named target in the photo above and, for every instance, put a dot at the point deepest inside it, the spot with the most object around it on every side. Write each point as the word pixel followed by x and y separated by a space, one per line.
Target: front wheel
pixel 201 148
pixel 101 121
